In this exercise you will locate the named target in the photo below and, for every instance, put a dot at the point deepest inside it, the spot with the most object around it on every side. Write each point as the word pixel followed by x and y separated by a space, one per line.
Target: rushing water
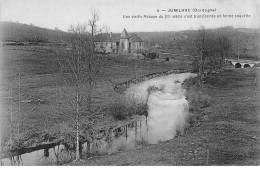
pixel 167 114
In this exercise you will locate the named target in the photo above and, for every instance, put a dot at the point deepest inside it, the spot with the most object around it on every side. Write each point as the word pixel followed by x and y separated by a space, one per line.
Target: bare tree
pixel 210 52
pixel 238 44
pixel 224 45
pixel 74 68
pixel 11 113
pixel 19 101
pixel 79 69
pixel 200 46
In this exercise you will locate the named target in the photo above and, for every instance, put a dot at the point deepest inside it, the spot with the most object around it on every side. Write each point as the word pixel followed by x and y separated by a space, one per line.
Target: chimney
pixel 110 34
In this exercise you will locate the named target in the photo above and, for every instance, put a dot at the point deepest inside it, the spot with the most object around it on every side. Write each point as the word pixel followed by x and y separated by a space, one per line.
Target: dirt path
pixel 228 133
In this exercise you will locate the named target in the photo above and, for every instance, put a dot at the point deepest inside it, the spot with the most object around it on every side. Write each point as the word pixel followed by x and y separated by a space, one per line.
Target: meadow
pixel 32 77
pixel 224 114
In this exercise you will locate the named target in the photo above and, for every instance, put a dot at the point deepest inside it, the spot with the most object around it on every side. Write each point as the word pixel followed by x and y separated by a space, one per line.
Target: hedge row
pixel 121 87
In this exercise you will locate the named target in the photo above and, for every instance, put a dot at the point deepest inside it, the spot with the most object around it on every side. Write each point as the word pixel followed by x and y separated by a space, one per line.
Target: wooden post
pixel 146 127
pixel 88 149
pixel 18 160
pixel 207 162
pixel 126 133
pixel 140 130
pixel 135 130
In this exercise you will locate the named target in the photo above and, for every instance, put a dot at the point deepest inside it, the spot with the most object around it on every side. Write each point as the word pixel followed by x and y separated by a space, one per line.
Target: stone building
pixel 119 43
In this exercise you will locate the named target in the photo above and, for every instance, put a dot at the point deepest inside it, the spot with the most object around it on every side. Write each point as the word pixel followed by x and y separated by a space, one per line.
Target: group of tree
pixel 244 42
pixel 209 51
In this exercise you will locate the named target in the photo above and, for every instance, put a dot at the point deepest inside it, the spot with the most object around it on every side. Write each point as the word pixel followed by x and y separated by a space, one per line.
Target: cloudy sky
pixel 63 13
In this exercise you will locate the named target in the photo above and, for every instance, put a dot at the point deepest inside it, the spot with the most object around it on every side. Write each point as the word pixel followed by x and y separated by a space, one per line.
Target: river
pixel 167 116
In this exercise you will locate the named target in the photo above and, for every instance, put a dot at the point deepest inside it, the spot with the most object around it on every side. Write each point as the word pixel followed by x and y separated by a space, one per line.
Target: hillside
pixel 180 41
pixel 18 32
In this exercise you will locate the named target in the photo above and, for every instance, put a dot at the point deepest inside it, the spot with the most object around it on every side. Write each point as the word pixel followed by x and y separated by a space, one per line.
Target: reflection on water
pixel 39 157
pixel 130 136
pixel 46 153
pixel 167 114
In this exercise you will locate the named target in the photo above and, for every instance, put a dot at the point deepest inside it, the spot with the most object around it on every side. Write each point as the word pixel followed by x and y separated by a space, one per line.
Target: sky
pixel 63 13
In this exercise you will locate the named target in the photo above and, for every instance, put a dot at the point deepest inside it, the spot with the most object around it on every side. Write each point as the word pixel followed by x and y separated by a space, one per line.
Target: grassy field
pixel 40 81
pixel 226 133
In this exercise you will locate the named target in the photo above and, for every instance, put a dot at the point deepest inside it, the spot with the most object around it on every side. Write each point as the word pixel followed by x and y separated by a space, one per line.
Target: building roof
pixel 124 34
pixel 135 38
pixel 105 37
pixel 115 37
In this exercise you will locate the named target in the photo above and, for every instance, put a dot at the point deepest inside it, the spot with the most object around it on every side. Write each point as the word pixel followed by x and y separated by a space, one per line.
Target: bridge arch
pixel 246 65
pixel 238 65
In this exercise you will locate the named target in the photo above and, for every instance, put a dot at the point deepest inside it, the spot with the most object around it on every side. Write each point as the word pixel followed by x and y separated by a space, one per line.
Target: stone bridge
pixel 242 63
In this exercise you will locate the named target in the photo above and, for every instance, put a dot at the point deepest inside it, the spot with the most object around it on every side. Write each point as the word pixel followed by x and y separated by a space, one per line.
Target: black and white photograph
pixel 129 83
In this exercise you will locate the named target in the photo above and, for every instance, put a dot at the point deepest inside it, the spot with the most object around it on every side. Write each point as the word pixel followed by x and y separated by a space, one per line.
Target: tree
pixel 79 69
pixel 57 29
pixel 224 45
pixel 210 52
pixel 239 43
pixel 200 44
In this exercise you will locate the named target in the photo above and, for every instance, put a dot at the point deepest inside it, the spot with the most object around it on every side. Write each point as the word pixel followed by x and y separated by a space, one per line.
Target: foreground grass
pixel 227 132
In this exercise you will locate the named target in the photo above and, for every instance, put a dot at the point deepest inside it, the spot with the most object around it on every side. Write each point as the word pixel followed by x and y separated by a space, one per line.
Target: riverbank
pixel 172 87
pixel 226 132
pixel 31 82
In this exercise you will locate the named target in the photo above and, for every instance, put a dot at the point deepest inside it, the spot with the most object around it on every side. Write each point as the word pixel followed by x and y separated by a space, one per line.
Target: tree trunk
pixel 19 107
pixel 12 131
pixel 77 130
pixel 223 61
pixel 89 99
pixel 201 70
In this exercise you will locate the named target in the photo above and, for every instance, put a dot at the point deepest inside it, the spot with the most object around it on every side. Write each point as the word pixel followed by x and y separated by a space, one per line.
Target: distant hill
pixel 18 32
pixel 172 41
pixel 180 41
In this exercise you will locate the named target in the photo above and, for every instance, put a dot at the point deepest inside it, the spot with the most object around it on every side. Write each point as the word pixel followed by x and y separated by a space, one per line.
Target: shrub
pixel 198 99
pixel 142 142
pixel 152 89
pixel 121 109
pixel 151 55
pixel 121 146
pixel 118 110
pixel 190 82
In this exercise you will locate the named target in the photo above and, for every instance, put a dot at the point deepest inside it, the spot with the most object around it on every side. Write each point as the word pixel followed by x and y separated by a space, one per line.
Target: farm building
pixel 157 45
pixel 119 43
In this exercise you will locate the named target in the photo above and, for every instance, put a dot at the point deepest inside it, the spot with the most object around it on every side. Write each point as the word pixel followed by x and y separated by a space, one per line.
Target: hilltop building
pixel 119 43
